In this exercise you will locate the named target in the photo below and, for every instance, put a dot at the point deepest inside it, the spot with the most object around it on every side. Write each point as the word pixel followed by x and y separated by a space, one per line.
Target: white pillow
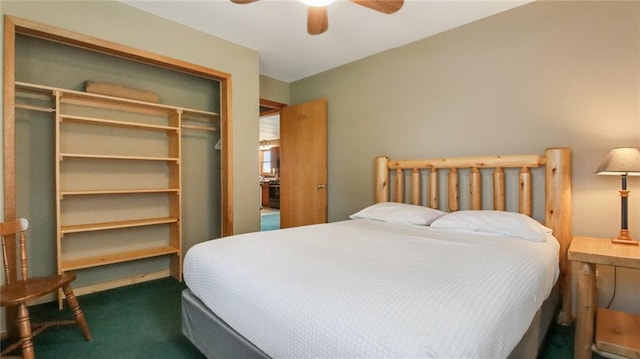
pixel 399 213
pixel 498 222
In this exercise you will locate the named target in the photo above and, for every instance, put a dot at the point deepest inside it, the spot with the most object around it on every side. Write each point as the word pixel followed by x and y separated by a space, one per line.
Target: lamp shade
pixel 621 161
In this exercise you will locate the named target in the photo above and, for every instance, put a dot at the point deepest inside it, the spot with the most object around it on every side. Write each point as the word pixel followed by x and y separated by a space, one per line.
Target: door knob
pixel 322 186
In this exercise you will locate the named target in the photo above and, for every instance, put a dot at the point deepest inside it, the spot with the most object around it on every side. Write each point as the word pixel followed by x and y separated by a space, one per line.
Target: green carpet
pixel 269 222
pixel 144 321
pixel 137 321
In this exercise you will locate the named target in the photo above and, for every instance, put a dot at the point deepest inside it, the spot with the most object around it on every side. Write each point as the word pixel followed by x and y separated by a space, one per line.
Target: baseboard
pixel 78 291
pixel 145 277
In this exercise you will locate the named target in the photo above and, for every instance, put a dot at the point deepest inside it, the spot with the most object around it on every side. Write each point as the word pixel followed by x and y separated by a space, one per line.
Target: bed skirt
pixel 215 339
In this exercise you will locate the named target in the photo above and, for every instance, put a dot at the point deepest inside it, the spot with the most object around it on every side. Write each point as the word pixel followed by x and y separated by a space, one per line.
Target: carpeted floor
pixel 269 222
pixel 143 321
pixel 138 321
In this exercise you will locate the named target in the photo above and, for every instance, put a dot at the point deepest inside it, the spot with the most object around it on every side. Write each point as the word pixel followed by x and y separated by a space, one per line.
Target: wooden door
pixel 303 164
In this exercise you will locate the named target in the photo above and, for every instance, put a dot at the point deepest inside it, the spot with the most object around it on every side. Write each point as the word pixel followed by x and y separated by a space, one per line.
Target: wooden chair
pixel 26 289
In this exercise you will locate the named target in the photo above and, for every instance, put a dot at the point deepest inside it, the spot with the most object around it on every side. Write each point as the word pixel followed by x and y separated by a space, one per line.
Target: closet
pixel 117 188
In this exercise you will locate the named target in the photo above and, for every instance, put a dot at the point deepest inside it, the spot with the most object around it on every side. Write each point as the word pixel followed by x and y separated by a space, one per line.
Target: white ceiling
pixel 277 30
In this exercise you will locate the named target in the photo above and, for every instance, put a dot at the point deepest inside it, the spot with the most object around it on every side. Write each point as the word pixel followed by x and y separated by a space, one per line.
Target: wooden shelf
pixel 111 157
pixel 35 108
pixel 200 128
pixel 89 262
pixel 156 125
pixel 115 225
pixel 25 89
pixel 618 333
pixel 602 251
pixel 104 122
pixel 118 191
pixel 117 103
pixel 194 115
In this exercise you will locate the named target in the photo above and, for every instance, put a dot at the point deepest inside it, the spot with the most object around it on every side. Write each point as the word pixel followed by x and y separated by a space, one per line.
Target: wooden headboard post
pixel 558 217
pixel 557 162
pixel 382 179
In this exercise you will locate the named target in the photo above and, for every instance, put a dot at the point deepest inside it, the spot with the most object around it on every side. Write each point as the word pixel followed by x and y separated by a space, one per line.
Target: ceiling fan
pixel 317 20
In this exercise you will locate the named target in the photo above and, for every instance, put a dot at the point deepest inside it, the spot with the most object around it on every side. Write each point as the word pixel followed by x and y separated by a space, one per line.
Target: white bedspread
pixel 366 289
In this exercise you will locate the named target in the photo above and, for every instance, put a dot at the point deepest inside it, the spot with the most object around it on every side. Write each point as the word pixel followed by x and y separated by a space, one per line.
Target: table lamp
pixel 623 162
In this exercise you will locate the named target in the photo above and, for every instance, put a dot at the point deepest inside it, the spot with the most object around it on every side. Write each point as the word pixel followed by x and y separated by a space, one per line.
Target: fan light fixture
pixel 317 19
pixel 317 3
pixel 623 162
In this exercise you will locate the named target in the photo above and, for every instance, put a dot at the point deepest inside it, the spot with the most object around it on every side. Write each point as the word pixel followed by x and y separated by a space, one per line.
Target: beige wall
pixel 274 90
pixel 545 74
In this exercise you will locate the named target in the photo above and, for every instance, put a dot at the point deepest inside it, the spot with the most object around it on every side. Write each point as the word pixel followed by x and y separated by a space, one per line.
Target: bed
pixel 401 278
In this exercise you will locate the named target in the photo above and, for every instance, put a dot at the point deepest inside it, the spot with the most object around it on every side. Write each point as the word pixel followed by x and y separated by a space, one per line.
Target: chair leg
pixel 24 327
pixel 77 312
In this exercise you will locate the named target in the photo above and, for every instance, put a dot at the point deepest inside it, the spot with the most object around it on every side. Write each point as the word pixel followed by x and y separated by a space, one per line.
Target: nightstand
pixel 616 332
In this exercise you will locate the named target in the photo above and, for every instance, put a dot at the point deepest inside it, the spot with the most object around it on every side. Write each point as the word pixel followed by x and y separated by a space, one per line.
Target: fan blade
pixel 243 1
pixel 317 20
pixel 385 6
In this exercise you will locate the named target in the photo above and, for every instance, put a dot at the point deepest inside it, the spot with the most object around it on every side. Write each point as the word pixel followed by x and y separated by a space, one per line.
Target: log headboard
pixel 557 188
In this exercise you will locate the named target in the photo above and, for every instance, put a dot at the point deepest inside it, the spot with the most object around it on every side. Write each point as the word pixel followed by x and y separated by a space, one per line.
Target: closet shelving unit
pixel 104 203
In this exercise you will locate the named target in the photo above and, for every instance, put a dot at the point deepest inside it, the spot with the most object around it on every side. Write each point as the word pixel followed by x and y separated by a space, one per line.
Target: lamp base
pixel 625 238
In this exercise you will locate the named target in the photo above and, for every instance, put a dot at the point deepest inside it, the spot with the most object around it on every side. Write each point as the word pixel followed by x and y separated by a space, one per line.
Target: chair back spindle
pixel 5 263
pixel 9 230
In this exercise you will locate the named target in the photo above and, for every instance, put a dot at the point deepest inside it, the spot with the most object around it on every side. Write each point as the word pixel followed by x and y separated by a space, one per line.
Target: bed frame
pixel 215 338
pixel 557 192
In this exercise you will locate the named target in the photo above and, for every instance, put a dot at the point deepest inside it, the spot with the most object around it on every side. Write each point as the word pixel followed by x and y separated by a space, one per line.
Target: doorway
pixel 298 163
pixel 269 164
pixel 303 138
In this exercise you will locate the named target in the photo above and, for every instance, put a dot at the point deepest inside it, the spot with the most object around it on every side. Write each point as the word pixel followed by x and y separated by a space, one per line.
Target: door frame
pixel 269 108
pixel 14 26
